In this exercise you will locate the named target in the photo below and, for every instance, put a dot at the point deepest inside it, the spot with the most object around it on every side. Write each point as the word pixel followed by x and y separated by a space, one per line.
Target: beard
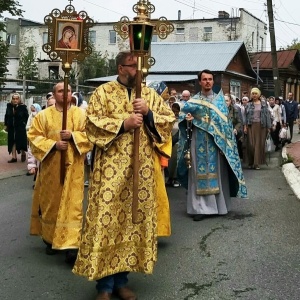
pixel 131 81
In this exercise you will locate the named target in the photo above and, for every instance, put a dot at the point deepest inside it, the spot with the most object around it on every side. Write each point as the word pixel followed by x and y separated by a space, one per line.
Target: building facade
pixel 24 34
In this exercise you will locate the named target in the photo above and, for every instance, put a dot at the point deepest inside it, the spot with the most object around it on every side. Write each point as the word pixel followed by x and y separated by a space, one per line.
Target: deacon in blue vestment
pixel 209 166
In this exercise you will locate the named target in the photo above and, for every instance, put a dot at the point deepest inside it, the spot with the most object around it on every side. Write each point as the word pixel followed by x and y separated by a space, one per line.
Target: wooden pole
pixel 273 49
pixel 66 68
pixel 136 147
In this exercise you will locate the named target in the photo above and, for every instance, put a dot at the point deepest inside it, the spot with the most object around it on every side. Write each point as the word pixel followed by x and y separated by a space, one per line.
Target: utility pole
pixel 273 49
pixel 257 72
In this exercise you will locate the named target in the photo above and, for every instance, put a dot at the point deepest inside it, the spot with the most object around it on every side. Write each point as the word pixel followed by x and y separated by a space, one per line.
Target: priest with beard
pixel 112 245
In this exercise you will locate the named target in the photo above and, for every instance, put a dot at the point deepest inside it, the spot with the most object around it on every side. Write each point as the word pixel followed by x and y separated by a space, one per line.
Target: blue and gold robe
pixel 213 133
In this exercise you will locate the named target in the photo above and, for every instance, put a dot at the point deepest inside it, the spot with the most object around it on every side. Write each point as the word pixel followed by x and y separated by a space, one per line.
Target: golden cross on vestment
pixel 206 118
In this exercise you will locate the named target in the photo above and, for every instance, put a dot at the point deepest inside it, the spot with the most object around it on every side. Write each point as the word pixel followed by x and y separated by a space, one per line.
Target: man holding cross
pixel 214 173
pixel 57 208
pixel 112 245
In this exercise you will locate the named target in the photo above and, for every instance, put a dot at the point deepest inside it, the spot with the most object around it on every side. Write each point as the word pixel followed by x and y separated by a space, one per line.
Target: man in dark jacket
pixel 291 109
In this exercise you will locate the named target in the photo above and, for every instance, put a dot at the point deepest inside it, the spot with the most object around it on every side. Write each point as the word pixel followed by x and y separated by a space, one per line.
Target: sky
pixel 286 12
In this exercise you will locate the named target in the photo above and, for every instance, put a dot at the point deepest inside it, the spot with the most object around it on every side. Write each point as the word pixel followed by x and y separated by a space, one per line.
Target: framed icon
pixel 68 35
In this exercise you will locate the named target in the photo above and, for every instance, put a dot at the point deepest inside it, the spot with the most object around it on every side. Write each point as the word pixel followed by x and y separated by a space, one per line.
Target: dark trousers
pixel 291 126
pixel 275 134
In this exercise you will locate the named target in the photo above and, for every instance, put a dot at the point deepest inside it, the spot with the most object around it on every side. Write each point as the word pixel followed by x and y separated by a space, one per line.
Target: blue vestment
pixel 213 133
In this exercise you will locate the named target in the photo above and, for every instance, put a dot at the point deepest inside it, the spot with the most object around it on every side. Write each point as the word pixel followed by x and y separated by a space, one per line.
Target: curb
pixel 292 174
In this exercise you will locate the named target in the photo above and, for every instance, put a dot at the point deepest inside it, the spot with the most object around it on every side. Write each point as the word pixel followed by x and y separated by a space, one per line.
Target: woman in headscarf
pixel 31 160
pixel 15 124
pixel 258 125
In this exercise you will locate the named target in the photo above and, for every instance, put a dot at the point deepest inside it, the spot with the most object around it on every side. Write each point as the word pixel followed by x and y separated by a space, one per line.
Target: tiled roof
pixel 285 59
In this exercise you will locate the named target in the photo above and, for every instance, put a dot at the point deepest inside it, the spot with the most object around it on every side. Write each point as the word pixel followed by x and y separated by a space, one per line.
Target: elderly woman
pixel 258 124
pixel 32 163
pixel 15 120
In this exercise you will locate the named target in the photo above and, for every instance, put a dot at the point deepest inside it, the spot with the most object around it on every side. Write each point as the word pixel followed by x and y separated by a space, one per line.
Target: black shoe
pixel 13 160
pixel 199 217
pixel 71 256
pixel 50 251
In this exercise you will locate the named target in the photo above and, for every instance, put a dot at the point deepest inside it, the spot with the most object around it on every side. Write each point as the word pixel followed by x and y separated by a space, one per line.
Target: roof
pixel 11 86
pixel 180 57
pixel 176 62
pixel 285 59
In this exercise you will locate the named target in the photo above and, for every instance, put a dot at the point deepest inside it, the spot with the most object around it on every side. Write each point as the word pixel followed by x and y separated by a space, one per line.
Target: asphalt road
pixel 252 253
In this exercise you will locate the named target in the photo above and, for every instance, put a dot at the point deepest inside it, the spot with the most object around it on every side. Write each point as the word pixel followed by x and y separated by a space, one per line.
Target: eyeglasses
pixel 131 66
pixel 15 98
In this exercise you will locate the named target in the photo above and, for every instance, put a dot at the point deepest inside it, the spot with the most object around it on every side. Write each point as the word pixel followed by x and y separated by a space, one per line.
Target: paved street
pixel 253 253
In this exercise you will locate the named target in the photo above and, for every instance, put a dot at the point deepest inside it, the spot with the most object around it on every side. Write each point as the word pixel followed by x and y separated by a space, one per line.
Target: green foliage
pixel 27 64
pixel 12 7
pixel 295 45
pixel 3 59
pixel 3 135
pixel 95 65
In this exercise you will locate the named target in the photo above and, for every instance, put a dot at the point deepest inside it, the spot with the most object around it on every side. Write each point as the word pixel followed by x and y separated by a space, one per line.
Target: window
pixel 180 30
pixel 11 39
pixel 261 44
pixel 235 88
pixel 45 37
pixel 112 37
pixel 207 35
pixel 53 72
pixel 193 34
pixel 92 36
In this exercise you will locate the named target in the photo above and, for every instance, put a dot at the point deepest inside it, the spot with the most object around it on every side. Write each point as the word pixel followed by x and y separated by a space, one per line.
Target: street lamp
pixel 140 32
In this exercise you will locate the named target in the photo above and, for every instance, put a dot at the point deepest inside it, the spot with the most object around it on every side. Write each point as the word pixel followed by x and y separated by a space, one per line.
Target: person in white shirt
pixel 277 123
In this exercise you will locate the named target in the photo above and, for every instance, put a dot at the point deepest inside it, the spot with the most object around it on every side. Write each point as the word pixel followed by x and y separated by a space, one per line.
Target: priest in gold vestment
pixel 112 246
pixel 57 210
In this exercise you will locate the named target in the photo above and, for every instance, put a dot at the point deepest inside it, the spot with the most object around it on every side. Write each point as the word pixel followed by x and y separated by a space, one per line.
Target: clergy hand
pixel 61 145
pixel 65 135
pixel 140 106
pixel 134 121
pixel 189 117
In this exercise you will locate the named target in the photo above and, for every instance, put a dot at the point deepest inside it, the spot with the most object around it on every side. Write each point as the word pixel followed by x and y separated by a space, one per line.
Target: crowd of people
pixel 196 141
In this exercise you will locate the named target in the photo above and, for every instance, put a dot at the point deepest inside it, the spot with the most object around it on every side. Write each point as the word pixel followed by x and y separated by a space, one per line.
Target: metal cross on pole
pixel 140 32
pixel 67 48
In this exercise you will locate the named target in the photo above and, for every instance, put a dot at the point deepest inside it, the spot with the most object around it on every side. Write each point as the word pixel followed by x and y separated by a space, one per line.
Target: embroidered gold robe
pixel 60 206
pixel 111 243
pixel 163 207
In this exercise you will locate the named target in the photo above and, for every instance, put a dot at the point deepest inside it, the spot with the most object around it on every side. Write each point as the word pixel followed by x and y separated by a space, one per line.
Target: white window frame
pixel 112 37
pixel 45 38
pixel 12 39
pixel 180 30
pixel 92 36
pixel 235 88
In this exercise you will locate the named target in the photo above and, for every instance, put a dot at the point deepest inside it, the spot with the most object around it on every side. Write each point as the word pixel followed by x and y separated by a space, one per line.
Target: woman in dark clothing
pixel 15 124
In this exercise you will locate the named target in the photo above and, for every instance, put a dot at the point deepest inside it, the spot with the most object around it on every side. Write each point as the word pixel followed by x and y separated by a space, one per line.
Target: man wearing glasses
pixel 112 246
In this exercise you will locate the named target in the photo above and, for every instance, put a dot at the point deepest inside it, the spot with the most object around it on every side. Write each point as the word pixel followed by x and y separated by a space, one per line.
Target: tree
pixel 295 45
pixel 12 7
pixel 27 64
pixel 96 65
